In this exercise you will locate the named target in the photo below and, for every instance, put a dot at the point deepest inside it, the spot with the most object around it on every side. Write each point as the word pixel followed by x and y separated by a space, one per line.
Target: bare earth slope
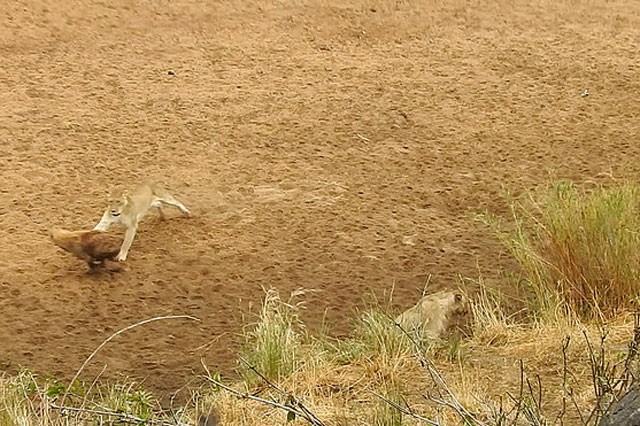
pixel 344 149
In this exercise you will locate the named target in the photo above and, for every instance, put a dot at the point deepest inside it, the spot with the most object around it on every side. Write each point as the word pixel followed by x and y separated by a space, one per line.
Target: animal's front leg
pixel 104 223
pixel 126 244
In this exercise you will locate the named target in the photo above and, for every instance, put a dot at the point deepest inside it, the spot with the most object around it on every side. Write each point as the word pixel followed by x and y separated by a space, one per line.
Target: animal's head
pixel 460 303
pixel 460 314
pixel 115 210
pixel 453 302
pixel 117 204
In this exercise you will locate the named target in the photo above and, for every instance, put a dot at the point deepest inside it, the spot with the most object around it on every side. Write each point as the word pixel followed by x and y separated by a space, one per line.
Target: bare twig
pixel 362 138
pixel 566 386
pixel 289 407
pixel 529 405
pixel 122 416
pixel 93 384
pixel 292 400
pixel 406 410
pixel 628 376
pixel 117 333
pixel 520 393
pixel 451 400
pixel 566 389
pixel 596 362
pixel 263 377
pixel 609 383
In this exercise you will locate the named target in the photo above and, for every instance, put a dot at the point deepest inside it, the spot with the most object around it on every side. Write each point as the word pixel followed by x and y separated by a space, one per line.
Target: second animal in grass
pixel 436 314
pixel 130 208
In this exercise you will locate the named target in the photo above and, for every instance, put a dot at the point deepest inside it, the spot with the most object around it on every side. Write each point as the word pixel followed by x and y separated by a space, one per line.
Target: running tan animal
pixel 129 209
pixel 94 247
pixel 436 314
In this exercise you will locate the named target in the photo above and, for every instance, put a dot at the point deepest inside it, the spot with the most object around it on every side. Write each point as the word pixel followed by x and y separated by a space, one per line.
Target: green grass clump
pixel 376 336
pixel 14 407
pixel 380 337
pixel 30 399
pixel 273 346
pixel 579 251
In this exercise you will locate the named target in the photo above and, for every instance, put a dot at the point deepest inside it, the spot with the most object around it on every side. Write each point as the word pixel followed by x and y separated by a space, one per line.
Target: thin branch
pixel 117 333
pixel 453 402
pixel 130 418
pixel 291 398
pixel 363 138
pixel 263 377
pixel 93 384
pixel 288 408
pixel 406 410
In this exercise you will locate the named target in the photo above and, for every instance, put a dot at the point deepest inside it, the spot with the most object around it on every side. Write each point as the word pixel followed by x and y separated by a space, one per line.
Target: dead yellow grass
pixel 546 369
pixel 482 376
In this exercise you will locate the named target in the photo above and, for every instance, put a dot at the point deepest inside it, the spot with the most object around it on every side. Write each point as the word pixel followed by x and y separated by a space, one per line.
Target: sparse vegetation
pixel 501 381
pixel 379 338
pixel 578 249
pixel 577 252
pixel 273 345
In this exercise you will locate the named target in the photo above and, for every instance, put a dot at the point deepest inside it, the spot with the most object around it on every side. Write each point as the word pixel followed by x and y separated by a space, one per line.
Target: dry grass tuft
pixel 579 250
pixel 511 374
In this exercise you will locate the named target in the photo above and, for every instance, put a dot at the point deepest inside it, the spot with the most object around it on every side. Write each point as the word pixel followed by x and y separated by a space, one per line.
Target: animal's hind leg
pixel 169 200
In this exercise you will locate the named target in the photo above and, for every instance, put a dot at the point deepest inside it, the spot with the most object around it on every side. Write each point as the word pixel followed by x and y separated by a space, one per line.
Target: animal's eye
pixel 115 213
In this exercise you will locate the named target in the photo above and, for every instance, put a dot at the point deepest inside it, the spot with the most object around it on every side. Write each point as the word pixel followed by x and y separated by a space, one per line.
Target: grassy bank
pixel 562 360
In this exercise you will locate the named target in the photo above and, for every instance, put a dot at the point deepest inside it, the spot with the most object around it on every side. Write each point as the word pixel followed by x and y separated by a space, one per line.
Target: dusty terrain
pixel 338 148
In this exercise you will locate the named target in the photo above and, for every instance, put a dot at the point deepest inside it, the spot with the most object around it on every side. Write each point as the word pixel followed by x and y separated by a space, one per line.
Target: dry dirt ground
pixel 343 147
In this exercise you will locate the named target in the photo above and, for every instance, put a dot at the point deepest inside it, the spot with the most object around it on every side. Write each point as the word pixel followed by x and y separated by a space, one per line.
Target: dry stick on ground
pixel 122 416
pixel 605 382
pixel 117 333
pixel 285 407
pixel 93 384
pixel 406 410
pixel 452 401
pixel 566 387
pixel 532 414
pixel 290 398
pixel 601 385
pixel 263 377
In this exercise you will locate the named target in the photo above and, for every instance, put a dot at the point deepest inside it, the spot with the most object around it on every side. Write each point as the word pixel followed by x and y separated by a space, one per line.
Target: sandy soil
pixel 344 149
